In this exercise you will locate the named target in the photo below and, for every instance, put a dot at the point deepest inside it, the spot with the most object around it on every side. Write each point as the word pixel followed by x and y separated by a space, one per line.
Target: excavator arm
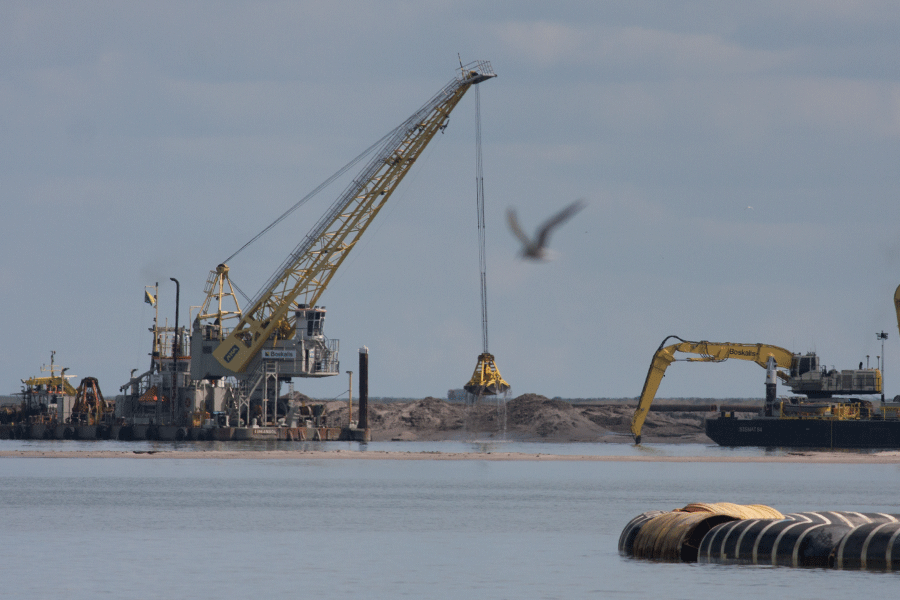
pixel 304 275
pixel 708 352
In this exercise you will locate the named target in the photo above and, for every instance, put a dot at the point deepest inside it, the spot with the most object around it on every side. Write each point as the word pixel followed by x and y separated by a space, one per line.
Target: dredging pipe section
pixel 731 534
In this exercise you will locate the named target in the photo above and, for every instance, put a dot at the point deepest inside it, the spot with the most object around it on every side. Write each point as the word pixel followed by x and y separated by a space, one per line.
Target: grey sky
pixel 143 141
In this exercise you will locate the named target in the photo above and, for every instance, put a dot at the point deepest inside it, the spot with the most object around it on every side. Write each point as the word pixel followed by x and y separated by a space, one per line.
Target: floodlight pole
pixel 350 400
pixel 175 350
pixel 882 336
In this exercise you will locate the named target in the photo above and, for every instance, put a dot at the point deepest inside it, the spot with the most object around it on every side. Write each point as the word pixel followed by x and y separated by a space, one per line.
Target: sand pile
pixel 532 416
pixel 617 418
pixel 528 417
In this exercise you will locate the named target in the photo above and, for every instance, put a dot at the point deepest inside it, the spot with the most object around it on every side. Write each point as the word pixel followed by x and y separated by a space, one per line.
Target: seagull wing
pixel 565 214
pixel 514 227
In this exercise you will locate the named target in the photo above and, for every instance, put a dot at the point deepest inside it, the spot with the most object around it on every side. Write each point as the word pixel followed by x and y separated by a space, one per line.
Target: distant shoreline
pixel 887 457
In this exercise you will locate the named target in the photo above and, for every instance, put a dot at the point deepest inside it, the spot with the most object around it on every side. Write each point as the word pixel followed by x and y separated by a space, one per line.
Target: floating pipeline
pixel 626 540
pixel 676 536
pixel 871 546
pixel 799 540
pixel 757 535
pixel 739 511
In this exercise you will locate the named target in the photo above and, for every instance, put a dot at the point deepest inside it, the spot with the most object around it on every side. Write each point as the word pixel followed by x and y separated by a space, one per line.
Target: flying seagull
pixel 536 249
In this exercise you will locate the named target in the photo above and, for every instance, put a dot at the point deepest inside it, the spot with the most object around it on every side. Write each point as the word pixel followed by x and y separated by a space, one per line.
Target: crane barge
pixel 224 382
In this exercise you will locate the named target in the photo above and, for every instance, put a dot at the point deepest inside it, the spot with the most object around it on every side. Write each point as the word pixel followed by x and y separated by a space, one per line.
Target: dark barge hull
pixel 804 433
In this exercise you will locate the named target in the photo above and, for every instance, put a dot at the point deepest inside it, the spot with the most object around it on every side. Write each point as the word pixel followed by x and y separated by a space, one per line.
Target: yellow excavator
pixel 800 372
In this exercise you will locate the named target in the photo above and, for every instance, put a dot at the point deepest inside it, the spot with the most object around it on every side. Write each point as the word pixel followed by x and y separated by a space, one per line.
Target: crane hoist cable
pixel 303 201
pixel 486 381
pixel 313 193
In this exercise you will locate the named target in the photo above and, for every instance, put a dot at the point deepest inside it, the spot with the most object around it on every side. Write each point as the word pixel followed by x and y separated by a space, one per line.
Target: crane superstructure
pixel 800 372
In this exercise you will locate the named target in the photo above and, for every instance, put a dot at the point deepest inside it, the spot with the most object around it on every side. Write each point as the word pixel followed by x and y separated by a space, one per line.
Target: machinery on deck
pixel 56 383
pixel 237 371
pixel 46 398
pixel 90 408
pixel 52 409
pixel 838 423
pixel 801 373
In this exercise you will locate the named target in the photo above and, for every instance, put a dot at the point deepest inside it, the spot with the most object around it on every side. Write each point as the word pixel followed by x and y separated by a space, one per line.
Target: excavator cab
pixel 801 364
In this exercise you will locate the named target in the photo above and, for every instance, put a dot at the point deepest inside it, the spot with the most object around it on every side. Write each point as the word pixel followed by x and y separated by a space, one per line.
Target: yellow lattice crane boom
pixel 305 274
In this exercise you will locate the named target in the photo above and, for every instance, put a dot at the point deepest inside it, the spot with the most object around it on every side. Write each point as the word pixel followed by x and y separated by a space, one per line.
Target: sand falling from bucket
pixel 485 414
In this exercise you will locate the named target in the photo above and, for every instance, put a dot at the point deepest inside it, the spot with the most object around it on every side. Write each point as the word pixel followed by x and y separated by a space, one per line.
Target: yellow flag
pixel 149 299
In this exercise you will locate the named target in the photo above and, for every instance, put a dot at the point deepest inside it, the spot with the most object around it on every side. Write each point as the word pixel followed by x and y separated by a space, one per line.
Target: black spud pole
pixel 363 389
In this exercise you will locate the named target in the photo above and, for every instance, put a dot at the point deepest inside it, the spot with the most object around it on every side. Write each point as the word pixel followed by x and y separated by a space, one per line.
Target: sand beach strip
pixel 802 456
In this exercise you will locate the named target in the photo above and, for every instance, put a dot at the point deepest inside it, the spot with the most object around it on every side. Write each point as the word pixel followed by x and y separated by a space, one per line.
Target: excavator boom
pixel 304 275
pixel 708 352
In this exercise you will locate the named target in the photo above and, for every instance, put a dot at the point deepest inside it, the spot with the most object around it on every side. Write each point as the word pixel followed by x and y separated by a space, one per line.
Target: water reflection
pixel 646 450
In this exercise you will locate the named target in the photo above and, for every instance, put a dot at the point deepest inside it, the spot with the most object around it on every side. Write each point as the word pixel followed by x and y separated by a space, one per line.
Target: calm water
pixel 487 446
pixel 120 528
